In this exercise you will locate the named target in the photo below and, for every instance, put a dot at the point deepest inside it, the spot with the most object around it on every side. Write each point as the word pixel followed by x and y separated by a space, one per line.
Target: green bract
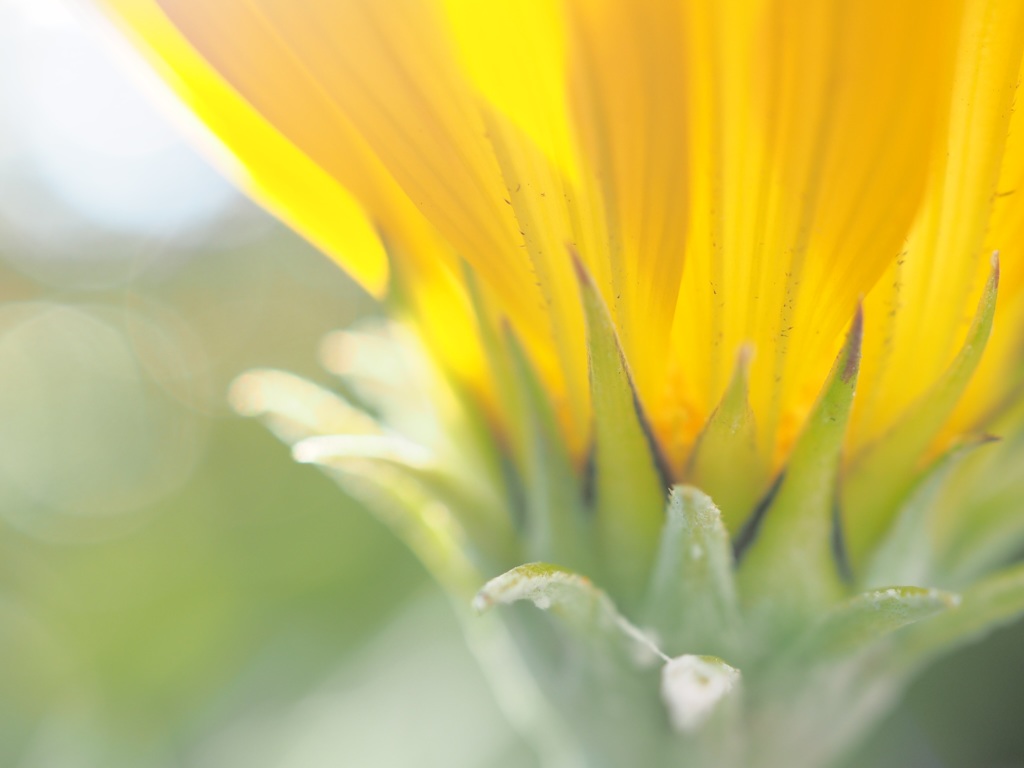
pixel 656 636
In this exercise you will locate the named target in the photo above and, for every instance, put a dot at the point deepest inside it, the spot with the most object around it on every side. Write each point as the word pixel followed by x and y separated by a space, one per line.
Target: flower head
pixel 674 239
pixel 733 175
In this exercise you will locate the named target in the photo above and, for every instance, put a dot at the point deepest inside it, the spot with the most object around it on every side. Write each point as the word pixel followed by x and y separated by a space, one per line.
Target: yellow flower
pixel 737 178
pixel 696 228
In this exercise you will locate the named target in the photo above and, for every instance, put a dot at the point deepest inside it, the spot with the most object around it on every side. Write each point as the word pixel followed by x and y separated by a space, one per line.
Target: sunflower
pixel 703 300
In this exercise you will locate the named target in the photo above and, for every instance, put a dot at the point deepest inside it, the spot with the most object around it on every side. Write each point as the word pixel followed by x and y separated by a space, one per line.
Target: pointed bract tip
pixel 740 381
pixel 983 439
pixel 745 355
pixel 677 492
pixel 853 344
pixel 578 266
pixel 994 275
pixel 680 493
pixel 510 337
pixel 857 323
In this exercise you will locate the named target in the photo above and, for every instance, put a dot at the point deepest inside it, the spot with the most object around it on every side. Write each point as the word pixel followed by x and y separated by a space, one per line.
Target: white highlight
pixel 322 449
pixel 692 687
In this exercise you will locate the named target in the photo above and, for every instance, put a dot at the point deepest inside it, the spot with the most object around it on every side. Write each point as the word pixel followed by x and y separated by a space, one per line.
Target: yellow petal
pixel 370 103
pixel 731 173
pixel 936 283
pixel 273 170
pixel 590 134
pixel 628 84
pixel 818 123
pixel 514 54
pixel 1000 375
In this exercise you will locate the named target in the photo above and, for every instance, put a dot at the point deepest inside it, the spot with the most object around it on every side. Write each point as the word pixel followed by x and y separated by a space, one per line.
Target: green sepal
pixel 547 486
pixel 884 474
pixel 791 570
pixel 513 405
pixel 457 428
pixel 907 554
pixel 996 536
pixel 294 408
pixel 692 602
pixel 599 669
pixel 984 607
pixel 869 617
pixel 535 187
pixel 324 429
pixel 571 597
pixel 824 690
pixel 556 525
pixel 980 522
pixel 381 457
pixel 426 526
pixel 727 448
pixel 629 488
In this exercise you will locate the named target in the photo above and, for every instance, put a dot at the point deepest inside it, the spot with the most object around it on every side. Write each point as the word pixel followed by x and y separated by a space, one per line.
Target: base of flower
pixel 684 655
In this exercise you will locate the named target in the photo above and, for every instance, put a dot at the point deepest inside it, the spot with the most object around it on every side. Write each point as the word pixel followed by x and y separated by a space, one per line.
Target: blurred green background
pixel 174 591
